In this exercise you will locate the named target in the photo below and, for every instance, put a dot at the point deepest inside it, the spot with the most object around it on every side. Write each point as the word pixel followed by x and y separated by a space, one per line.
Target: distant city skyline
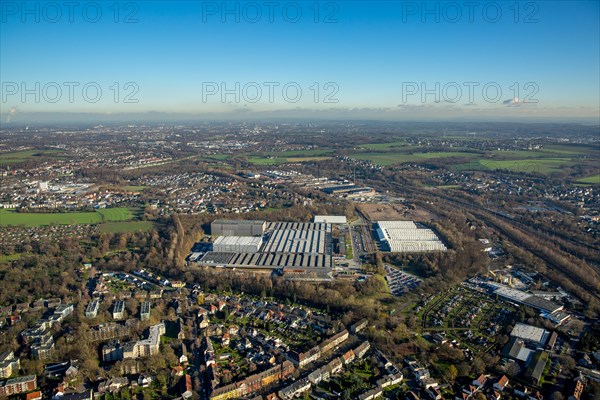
pixel 529 61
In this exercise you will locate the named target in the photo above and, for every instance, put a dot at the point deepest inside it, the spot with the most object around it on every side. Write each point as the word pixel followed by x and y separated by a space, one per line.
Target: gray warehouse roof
pixel 237 221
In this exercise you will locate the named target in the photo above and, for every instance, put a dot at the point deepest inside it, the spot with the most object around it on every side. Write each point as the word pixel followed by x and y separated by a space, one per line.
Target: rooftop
pixel 237 221
pixel 531 333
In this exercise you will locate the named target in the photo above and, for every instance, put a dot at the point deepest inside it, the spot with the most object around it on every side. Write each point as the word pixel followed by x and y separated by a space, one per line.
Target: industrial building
pixel 298 237
pixel 299 249
pixel 227 227
pixel 237 244
pixel 330 219
pixel 348 190
pixel 530 333
pixel 407 237
pixel 547 307
pixel 269 260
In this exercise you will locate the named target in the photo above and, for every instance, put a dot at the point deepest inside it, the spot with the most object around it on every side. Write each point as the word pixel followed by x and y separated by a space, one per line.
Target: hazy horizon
pixel 376 60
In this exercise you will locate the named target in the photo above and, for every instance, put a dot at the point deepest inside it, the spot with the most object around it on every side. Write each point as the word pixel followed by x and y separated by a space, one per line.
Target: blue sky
pixel 364 55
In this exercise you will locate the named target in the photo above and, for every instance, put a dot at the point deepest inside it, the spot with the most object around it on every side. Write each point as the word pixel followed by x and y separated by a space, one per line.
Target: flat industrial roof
pixel 531 333
pixel 237 221
pixel 238 240
pixel 330 219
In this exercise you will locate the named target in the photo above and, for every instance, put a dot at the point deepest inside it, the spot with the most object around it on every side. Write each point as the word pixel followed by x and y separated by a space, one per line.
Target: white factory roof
pixel 531 333
pixel 330 219
pixel 238 240
pixel 407 237
pixel 513 294
pixel 396 225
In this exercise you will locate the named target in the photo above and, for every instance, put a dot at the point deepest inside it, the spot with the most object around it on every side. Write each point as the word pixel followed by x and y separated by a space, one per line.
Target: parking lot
pixel 400 282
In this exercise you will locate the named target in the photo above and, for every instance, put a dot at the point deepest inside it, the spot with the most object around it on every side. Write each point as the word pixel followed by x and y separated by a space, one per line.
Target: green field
pixel 130 226
pixel 133 188
pixel 11 257
pixel 306 153
pixel 283 160
pixel 12 218
pixel 267 161
pixel 217 156
pixel 391 158
pixel 384 146
pixel 594 179
pixel 115 214
pixel 525 154
pixel 448 187
pixel 21 156
pixel 536 166
pixel 572 149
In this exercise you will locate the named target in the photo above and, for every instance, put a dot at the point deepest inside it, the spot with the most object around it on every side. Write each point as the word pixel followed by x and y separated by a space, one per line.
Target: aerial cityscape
pixel 300 200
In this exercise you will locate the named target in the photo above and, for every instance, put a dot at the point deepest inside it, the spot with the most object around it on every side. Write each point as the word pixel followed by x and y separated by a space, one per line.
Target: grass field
pixel 21 156
pixel 11 218
pixel 539 166
pixel 391 158
pixel 219 157
pixel 594 179
pixel 115 214
pixel 283 160
pixel 448 187
pixel 10 257
pixel 384 146
pixel 305 153
pixel 126 226
pixel 133 188
pixel 546 153
pixel 307 159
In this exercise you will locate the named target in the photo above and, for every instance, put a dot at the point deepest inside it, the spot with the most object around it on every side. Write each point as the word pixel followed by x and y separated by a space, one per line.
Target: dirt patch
pixel 384 212
pixel 395 212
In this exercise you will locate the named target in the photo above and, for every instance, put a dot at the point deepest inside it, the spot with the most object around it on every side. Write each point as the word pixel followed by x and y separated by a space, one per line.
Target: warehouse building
pixel 299 237
pixel 407 237
pixel 237 244
pixel 302 250
pixel 227 227
pixel 530 333
pixel 547 307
